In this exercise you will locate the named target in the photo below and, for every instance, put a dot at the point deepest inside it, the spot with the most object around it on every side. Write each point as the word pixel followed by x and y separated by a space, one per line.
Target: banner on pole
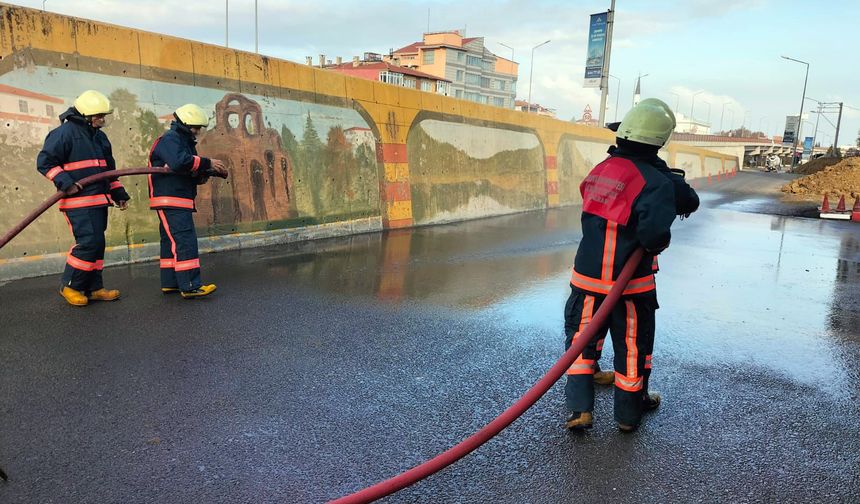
pixel 596 50
pixel 791 124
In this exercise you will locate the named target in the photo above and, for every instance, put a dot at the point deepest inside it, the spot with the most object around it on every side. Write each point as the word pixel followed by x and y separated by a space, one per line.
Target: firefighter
pixel 172 197
pixel 77 149
pixel 629 200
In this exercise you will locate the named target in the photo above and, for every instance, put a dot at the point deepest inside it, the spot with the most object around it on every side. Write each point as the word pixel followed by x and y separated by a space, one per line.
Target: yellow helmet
pixel 650 122
pixel 91 103
pixel 192 115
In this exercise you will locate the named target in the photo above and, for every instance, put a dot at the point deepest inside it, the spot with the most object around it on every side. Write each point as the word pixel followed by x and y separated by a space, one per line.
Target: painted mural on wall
pixel 291 163
pixel 461 171
pixel 575 159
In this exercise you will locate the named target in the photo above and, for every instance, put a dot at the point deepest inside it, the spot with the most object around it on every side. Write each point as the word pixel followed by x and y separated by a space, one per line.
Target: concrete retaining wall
pixel 311 153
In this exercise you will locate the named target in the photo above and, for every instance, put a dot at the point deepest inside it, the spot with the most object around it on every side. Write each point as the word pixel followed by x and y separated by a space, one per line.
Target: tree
pixel 858 138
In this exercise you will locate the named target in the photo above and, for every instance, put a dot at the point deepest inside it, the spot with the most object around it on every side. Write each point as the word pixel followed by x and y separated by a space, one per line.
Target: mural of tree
pixel 132 130
pixel 310 161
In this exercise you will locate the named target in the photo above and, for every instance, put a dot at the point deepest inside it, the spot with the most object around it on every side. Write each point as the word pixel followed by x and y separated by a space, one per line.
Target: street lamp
pixel 677 99
pixel 800 116
pixel 531 71
pixel 509 47
pixel 226 23
pixel 617 92
pixel 638 86
pixel 693 104
pixel 256 30
pixel 722 112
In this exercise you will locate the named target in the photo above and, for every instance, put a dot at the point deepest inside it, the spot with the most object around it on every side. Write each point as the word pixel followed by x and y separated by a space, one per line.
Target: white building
pixel 26 116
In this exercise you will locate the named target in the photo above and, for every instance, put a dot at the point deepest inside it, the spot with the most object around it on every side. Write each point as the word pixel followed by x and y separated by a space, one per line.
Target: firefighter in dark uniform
pixel 629 200
pixel 172 196
pixel 77 149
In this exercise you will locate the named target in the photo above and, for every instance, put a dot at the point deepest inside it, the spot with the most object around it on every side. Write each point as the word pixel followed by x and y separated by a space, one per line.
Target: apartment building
pixel 475 73
pixel 372 67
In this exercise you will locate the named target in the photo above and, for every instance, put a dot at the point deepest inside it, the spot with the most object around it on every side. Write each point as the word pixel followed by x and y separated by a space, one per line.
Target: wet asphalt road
pixel 320 368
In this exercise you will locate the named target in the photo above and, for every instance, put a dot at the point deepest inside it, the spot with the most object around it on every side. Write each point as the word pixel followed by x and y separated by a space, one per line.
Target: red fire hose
pixel 465 447
pixel 108 175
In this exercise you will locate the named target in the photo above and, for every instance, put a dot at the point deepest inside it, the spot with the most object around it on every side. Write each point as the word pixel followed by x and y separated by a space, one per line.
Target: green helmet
pixel 650 122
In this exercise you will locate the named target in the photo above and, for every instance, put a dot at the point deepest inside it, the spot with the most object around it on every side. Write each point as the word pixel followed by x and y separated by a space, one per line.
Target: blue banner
pixel 807 146
pixel 596 50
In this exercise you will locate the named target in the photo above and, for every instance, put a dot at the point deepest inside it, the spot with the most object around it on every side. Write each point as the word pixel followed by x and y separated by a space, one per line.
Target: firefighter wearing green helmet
pixel 172 197
pixel 630 200
pixel 73 151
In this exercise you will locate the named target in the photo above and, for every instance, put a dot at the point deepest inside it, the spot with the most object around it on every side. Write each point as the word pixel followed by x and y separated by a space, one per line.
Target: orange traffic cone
pixel 825 205
pixel 709 179
pixel 840 207
pixel 855 212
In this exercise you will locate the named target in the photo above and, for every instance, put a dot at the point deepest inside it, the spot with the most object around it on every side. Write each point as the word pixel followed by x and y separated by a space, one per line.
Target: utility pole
pixel 800 116
pixel 256 30
pixel 226 23
pixel 604 75
pixel 838 123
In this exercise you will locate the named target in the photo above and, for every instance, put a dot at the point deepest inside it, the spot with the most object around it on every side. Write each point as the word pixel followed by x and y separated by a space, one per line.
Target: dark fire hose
pixel 108 175
pixel 465 447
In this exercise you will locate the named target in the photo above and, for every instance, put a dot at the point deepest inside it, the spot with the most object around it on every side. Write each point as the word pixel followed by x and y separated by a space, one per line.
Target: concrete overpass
pixel 752 150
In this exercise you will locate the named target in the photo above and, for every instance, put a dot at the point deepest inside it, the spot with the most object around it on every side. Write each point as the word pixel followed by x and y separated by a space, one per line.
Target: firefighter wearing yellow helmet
pixel 73 151
pixel 630 200
pixel 172 197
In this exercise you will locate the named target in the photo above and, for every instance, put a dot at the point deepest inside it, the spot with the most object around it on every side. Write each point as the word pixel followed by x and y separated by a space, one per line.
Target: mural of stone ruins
pixel 261 172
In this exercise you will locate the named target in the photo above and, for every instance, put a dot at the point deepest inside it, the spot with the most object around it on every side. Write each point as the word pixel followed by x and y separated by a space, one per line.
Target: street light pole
pixel 256 30
pixel 838 123
pixel 226 23
pixel 604 72
pixel 509 47
pixel 800 116
pixel 693 104
pixel 531 71
pixel 722 113
pixel 617 92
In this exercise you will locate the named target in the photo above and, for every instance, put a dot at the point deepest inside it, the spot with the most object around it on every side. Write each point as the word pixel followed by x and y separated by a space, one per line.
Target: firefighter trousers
pixel 85 261
pixel 180 261
pixel 631 326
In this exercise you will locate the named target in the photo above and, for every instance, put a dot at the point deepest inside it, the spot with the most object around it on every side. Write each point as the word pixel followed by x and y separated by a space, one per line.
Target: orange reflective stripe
pixel 609 251
pixel 83 202
pixel 581 366
pixel 600 344
pixel 635 286
pixel 186 265
pixel 167 263
pixel 647 362
pixel 116 184
pixel 196 164
pixel 654 265
pixel 53 172
pixel 171 201
pixel 100 264
pixel 82 265
pixel 584 320
pixel 628 384
pixel 630 340
pixel 87 163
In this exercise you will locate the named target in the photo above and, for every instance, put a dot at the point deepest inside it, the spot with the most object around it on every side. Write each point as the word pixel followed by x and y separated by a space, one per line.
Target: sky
pixel 719 58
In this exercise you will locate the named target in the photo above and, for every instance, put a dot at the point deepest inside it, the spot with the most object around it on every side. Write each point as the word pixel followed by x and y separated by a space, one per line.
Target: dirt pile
pixel 816 165
pixel 842 178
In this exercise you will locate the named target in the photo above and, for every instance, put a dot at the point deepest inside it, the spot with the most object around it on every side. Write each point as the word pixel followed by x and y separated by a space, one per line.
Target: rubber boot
pixel 604 378
pixel 580 421
pixel 104 295
pixel 169 290
pixel 650 402
pixel 203 290
pixel 73 297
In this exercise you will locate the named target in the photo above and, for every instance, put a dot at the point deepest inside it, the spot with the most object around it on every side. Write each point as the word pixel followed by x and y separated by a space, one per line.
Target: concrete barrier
pixel 310 152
